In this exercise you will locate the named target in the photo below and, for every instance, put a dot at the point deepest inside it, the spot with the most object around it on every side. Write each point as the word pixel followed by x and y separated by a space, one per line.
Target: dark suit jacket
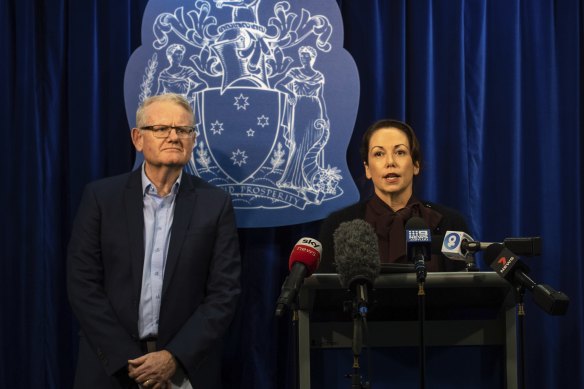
pixel 104 278
pixel 451 220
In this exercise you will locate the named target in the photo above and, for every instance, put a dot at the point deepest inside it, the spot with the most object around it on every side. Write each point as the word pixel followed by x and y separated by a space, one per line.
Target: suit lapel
pixel 184 208
pixel 134 206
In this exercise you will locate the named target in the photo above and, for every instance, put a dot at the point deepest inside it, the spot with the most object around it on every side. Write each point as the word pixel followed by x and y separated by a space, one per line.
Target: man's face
pixel 171 151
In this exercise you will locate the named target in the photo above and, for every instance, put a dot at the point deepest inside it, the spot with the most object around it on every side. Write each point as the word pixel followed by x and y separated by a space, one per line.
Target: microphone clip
pixel 360 287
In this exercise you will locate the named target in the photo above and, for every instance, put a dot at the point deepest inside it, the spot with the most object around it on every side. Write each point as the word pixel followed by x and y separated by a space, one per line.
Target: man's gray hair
pixel 171 97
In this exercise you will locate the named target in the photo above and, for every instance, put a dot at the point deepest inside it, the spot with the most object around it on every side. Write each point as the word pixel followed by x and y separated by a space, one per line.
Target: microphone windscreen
pixel 356 252
pixel 505 262
pixel 307 251
pixel 418 238
pixel 416 223
pixel 492 252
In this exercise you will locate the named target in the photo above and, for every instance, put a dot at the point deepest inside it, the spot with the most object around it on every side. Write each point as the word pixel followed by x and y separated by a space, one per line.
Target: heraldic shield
pixel 240 126
pixel 274 96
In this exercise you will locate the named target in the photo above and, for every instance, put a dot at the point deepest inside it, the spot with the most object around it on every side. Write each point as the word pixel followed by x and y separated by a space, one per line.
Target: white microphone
pixel 455 246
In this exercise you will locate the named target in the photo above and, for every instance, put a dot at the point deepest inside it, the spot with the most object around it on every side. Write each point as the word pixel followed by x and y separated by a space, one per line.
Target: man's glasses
pixel 162 131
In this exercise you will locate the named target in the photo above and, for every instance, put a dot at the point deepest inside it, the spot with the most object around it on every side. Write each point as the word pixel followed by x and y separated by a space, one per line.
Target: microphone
pixel 507 264
pixel 529 247
pixel 459 245
pixel 357 258
pixel 455 245
pixel 418 245
pixel 304 260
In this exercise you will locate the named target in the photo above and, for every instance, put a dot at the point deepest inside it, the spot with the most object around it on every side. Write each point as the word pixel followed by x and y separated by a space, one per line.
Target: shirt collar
pixel 147 184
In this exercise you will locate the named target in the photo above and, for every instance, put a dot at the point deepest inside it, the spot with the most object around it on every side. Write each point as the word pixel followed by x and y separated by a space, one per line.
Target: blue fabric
pixel 493 88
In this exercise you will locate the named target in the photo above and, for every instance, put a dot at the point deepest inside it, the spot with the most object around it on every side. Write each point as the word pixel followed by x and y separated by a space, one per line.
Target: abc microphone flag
pixel 453 245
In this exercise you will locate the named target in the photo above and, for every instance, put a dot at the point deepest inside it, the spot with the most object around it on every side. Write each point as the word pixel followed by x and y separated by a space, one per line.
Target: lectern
pixel 462 309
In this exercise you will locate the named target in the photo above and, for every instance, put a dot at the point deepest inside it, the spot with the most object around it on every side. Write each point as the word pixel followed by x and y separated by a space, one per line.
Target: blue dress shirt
pixel 158 216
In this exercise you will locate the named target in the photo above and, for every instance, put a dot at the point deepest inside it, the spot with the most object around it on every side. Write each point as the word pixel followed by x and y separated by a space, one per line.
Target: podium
pixel 462 309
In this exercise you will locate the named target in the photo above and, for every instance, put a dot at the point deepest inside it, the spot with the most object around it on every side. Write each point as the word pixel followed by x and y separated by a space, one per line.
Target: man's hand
pixel 153 370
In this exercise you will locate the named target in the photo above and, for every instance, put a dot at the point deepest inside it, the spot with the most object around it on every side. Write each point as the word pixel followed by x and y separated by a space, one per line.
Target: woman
pixel 177 78
pixel 306 120
pixel 392 158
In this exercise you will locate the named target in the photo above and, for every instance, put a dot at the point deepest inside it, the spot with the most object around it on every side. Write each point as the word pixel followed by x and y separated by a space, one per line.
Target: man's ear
pixel 138 139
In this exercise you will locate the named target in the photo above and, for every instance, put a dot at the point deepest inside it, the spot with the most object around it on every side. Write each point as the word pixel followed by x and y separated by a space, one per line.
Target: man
pixel 153 265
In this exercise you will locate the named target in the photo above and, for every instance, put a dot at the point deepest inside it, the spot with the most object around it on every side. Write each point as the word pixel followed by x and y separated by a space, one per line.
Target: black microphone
pixel 357 258
pixel 419 245
pixel 304 260
pixel 527 246
pixel 507 264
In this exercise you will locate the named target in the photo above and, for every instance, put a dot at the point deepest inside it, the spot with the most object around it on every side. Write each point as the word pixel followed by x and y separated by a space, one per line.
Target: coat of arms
pixel 258 74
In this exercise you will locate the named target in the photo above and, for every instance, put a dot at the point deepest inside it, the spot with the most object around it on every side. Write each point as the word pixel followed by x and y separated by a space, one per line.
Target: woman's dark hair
pixel 391 123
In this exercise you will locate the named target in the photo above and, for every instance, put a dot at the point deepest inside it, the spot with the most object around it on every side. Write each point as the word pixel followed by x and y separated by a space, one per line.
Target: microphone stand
pixel 470 263
pixel 359 318
pixel 357 344
pixel 280 309
pixel 520 292
pixel 420 267
pixel 295 351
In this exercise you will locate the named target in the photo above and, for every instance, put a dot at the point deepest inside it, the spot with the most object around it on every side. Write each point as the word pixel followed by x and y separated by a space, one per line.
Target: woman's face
pixel 177 56
pixel 305 58
pixel 390 165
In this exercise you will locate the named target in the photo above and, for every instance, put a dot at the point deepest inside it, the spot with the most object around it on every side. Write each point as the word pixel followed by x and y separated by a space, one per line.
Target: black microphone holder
pixel 507 265
pixel 421 321
pixel 359 321
pixel 519 294
pixel 551 301
pixel 359 309
pixel 526 246
pixel 548 299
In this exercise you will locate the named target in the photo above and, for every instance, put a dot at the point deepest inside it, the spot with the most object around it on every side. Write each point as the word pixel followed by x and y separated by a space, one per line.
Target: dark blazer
pixel 104 278
pixel 452 220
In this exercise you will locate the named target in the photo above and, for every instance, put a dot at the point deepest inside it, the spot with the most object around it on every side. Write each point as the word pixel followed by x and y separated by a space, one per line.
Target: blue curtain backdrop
pixel 493 88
